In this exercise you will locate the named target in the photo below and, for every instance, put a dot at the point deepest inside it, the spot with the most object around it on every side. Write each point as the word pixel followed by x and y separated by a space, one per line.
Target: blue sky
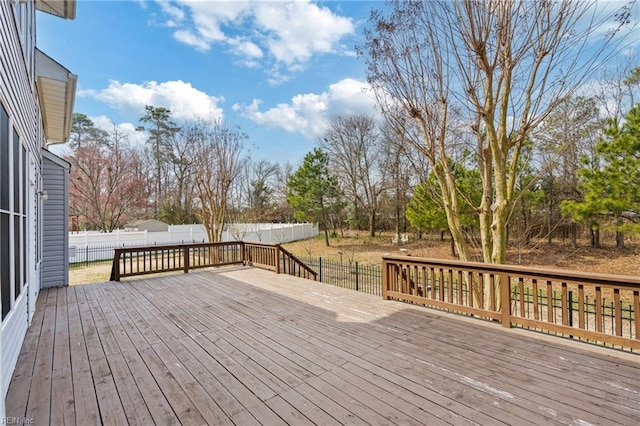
pixel 279 70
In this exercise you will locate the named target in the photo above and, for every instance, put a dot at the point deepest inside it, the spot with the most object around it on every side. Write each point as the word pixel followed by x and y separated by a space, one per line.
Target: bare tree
pixel 400 177
pixel 218 163
pixel 354 149
pixel 105 188
pixel 493 68
pixel 566 135
pixel 616 90
pixel 178 205
pixel 259 182
pixel 282 211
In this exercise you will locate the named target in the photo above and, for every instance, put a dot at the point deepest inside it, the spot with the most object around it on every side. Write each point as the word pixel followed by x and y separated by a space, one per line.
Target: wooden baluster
pixel 581 306
pixel 618 311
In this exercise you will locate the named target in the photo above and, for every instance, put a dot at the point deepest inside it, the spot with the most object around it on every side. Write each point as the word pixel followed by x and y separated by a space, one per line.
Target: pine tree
pixel 611 183
pixel 312 191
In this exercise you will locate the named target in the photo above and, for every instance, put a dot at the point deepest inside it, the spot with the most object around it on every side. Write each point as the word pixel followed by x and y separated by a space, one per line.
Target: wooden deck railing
pixel 134 261
pixel 593 307
pixel 276 258
pixel 291 265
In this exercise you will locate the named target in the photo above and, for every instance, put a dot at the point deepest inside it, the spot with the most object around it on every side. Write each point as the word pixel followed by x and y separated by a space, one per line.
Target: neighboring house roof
pixel 54 158
pixel 56 92
pixel 136 223
pixel 62 8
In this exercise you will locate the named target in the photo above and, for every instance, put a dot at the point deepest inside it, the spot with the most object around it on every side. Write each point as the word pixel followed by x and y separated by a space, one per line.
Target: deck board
pixel 62 399
pixel 245 346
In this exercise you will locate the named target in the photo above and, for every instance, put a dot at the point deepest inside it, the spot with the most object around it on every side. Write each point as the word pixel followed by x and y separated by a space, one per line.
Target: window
pixel 5 286
pixel 13 213
pixel 17 251
pixel 23 13
pixel 16 173
pixel 4 264
pixel 4 159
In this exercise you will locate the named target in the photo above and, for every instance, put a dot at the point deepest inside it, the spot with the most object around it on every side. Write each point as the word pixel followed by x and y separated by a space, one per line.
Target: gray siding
pixel 55 225
pixel 17 86
pixel 18 95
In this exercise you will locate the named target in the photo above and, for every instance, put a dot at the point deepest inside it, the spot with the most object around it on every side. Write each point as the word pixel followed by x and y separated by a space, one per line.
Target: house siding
pixel 17 84
pixel 19 98
pixel 55 228
pixel 22 136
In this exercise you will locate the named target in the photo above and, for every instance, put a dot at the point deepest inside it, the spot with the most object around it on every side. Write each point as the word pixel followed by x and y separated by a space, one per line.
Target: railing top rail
pixel 540 273
pixel 127 249
pixel 300 262
pixel 254 243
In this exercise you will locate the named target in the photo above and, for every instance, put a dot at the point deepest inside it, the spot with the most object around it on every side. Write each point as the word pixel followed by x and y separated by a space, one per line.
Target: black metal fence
pixel 352 275
pixel 82 257
pixel 607 312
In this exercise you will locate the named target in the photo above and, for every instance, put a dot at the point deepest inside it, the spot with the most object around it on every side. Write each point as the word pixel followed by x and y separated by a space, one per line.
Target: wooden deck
pixel 247 346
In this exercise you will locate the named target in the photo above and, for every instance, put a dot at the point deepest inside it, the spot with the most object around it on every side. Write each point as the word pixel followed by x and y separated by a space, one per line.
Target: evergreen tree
pixel 161 129
pixel 312 191
pixel 611 183
pixel 84 133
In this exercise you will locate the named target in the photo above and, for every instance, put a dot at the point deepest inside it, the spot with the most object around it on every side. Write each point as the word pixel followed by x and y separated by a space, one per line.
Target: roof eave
pixel 56 87
pixel 62 8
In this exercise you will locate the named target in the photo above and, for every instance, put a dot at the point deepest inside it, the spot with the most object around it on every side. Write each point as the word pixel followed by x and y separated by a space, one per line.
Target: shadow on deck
pixel 247 346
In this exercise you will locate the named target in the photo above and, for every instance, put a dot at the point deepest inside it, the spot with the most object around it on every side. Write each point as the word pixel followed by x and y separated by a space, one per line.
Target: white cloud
pixel 175 14
pixel 297 30
pixel 126 130
pixel 184 101
pixel 310 113
pixel 291 32
pixel 191 39
pixel 246 48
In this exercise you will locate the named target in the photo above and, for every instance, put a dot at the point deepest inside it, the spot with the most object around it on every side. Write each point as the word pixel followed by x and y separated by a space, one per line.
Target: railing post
pixel 115 267
pixel 185 261
pixel 505 302
pixel 320 267
pixel 385 279
pixel 276 252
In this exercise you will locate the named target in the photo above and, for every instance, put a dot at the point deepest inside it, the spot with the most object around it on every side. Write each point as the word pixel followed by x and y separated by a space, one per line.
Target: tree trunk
pixel 453 246
pixel 326 227
pixel 372 224
pixel 326 234
pixel 550 224
pixel 595 237
pixel 484 210
pixel 450 201
pixel 619 234
pixel 499 232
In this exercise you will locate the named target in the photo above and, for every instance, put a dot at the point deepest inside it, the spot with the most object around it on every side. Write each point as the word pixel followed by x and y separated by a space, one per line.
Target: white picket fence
pixel 92 245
